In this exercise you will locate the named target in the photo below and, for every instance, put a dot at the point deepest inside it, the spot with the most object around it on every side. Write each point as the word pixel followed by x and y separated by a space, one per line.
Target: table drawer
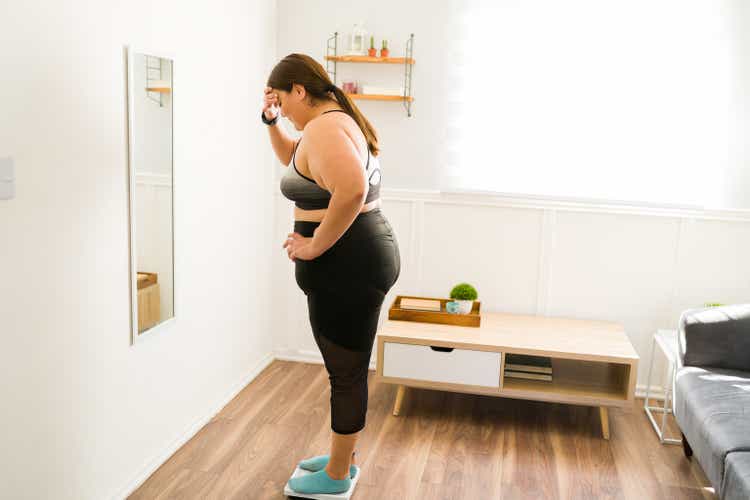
pixel 459 366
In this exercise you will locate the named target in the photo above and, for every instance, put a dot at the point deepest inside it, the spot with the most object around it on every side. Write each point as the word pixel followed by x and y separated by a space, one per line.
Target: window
pixel 630 101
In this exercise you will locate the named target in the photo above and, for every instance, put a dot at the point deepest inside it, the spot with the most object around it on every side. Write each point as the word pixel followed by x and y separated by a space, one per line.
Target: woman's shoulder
pixel 322 129
pixel 330 121
pixel 333 128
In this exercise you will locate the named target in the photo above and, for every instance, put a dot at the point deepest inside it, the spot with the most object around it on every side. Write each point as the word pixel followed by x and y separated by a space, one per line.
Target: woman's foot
pixel 319 482
pixel 319 463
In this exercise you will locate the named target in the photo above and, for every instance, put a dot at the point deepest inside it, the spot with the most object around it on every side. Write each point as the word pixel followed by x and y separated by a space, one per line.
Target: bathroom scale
pixel 320 496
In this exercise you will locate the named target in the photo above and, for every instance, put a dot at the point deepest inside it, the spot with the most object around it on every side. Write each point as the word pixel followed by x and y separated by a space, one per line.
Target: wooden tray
pixel 443 317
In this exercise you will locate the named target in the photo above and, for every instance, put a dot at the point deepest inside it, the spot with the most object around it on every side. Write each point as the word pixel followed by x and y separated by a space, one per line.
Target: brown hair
pixel 306 71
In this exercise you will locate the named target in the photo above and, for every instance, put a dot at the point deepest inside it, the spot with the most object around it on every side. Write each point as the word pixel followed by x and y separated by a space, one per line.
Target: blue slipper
pixel 319 482
pixel 315 464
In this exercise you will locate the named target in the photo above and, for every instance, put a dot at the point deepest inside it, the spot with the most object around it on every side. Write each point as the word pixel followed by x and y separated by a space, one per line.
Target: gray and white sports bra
pixel 308 195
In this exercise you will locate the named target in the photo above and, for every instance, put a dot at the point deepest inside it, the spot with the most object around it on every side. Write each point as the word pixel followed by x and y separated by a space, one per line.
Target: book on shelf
pixel 547 377
pixel 527 363
pixel 420 304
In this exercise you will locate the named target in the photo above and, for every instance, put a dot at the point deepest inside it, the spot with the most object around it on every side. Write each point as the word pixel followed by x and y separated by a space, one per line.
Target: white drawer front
pixel 460 366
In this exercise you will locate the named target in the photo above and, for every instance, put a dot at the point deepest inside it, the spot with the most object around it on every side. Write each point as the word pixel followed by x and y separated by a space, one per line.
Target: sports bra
pixel 308 195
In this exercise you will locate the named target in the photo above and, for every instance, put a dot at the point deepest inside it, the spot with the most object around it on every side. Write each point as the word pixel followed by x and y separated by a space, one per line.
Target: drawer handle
pixel 441 349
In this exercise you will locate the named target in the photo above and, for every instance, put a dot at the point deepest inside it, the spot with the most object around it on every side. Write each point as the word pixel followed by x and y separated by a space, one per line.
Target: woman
pixel 344 249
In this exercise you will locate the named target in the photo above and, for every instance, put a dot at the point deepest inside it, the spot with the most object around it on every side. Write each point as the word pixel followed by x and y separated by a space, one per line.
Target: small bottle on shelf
pixel 357 40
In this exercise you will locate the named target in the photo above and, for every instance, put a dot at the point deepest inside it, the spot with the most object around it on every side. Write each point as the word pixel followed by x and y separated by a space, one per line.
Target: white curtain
pixel 637 100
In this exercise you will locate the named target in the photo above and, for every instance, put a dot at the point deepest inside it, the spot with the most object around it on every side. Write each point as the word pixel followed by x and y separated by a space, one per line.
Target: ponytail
pixel 306 71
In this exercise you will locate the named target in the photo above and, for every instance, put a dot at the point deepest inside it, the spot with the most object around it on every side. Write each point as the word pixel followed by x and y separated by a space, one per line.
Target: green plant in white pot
pixel 465 295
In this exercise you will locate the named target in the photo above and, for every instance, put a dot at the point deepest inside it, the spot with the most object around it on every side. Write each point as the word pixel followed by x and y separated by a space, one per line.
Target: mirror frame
pixel 135 336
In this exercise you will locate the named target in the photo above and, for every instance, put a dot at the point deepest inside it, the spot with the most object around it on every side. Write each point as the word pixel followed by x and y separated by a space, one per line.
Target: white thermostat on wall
pixel 7 179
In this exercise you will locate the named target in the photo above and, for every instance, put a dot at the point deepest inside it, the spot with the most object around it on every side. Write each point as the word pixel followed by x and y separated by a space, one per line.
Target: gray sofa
pixel 712 395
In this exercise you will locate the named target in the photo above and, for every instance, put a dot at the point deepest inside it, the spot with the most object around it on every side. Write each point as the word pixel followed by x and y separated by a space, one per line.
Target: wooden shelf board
pixel 163 90
pixel 563 392
pixel 368 59
pixel 377 97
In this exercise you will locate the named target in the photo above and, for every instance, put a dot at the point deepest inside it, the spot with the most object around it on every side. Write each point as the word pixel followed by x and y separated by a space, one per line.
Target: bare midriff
pixel 317 215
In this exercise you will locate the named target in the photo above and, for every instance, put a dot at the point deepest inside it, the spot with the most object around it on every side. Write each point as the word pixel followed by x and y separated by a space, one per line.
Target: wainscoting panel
pixel 640 265
pixel 615 267
pixel 494 248
pixel 713 263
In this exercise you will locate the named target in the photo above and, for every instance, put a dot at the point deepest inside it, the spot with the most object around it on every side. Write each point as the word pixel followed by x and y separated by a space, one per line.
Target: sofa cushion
pixel 737 477
pixel 718 337
pixel 712 408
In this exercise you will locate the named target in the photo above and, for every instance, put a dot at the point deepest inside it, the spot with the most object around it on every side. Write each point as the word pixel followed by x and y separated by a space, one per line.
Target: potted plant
pixel 372 52
pixel 465 295
pixel 384 49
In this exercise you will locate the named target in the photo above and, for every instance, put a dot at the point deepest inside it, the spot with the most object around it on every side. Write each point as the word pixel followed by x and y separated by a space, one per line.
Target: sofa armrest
pixel 718 337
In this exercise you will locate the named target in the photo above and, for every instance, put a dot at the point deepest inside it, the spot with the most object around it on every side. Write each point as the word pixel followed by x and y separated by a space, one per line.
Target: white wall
pixel 85 415
pixel 737 185
pixel 635 264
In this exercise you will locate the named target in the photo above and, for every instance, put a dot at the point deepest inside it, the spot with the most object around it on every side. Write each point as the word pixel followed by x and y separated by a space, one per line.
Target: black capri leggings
pixel 345 288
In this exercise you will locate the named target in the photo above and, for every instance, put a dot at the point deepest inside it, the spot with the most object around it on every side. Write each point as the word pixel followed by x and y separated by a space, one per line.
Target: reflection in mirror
pixel 151 194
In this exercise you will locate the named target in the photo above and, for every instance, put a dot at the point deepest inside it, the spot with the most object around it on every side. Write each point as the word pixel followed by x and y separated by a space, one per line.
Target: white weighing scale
pixel 320 496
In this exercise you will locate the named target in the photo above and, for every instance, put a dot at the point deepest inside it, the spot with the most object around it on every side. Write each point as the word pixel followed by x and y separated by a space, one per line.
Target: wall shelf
pixel 368 59
pixel 378 97
pixel 332 59
pixel 156 87
pixel 163 90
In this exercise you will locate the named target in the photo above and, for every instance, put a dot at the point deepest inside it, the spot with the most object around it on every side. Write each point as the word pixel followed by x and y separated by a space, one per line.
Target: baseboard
pixel 304 356
pixel 656 392
pixel 299 355
pixel 193 429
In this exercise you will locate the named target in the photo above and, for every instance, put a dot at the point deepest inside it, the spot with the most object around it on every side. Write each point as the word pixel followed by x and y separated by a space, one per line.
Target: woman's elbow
pixel 362 196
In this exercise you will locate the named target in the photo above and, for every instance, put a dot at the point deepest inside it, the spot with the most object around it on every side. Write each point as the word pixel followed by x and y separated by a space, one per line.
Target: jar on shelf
pixel 358 40
pixel 349 87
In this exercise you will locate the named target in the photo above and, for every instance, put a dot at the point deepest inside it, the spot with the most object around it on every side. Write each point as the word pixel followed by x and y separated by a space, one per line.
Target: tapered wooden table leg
pixel 604 415
pixel 399 400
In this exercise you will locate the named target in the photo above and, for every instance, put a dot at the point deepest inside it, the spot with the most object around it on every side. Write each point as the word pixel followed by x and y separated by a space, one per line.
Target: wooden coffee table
pixel 593 362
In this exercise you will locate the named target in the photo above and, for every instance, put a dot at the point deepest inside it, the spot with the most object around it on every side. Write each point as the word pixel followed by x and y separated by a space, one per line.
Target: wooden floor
pixel 444 446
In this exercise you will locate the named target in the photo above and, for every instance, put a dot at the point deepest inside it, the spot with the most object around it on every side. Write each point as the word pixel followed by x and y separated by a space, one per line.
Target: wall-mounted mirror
pixel 150 168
